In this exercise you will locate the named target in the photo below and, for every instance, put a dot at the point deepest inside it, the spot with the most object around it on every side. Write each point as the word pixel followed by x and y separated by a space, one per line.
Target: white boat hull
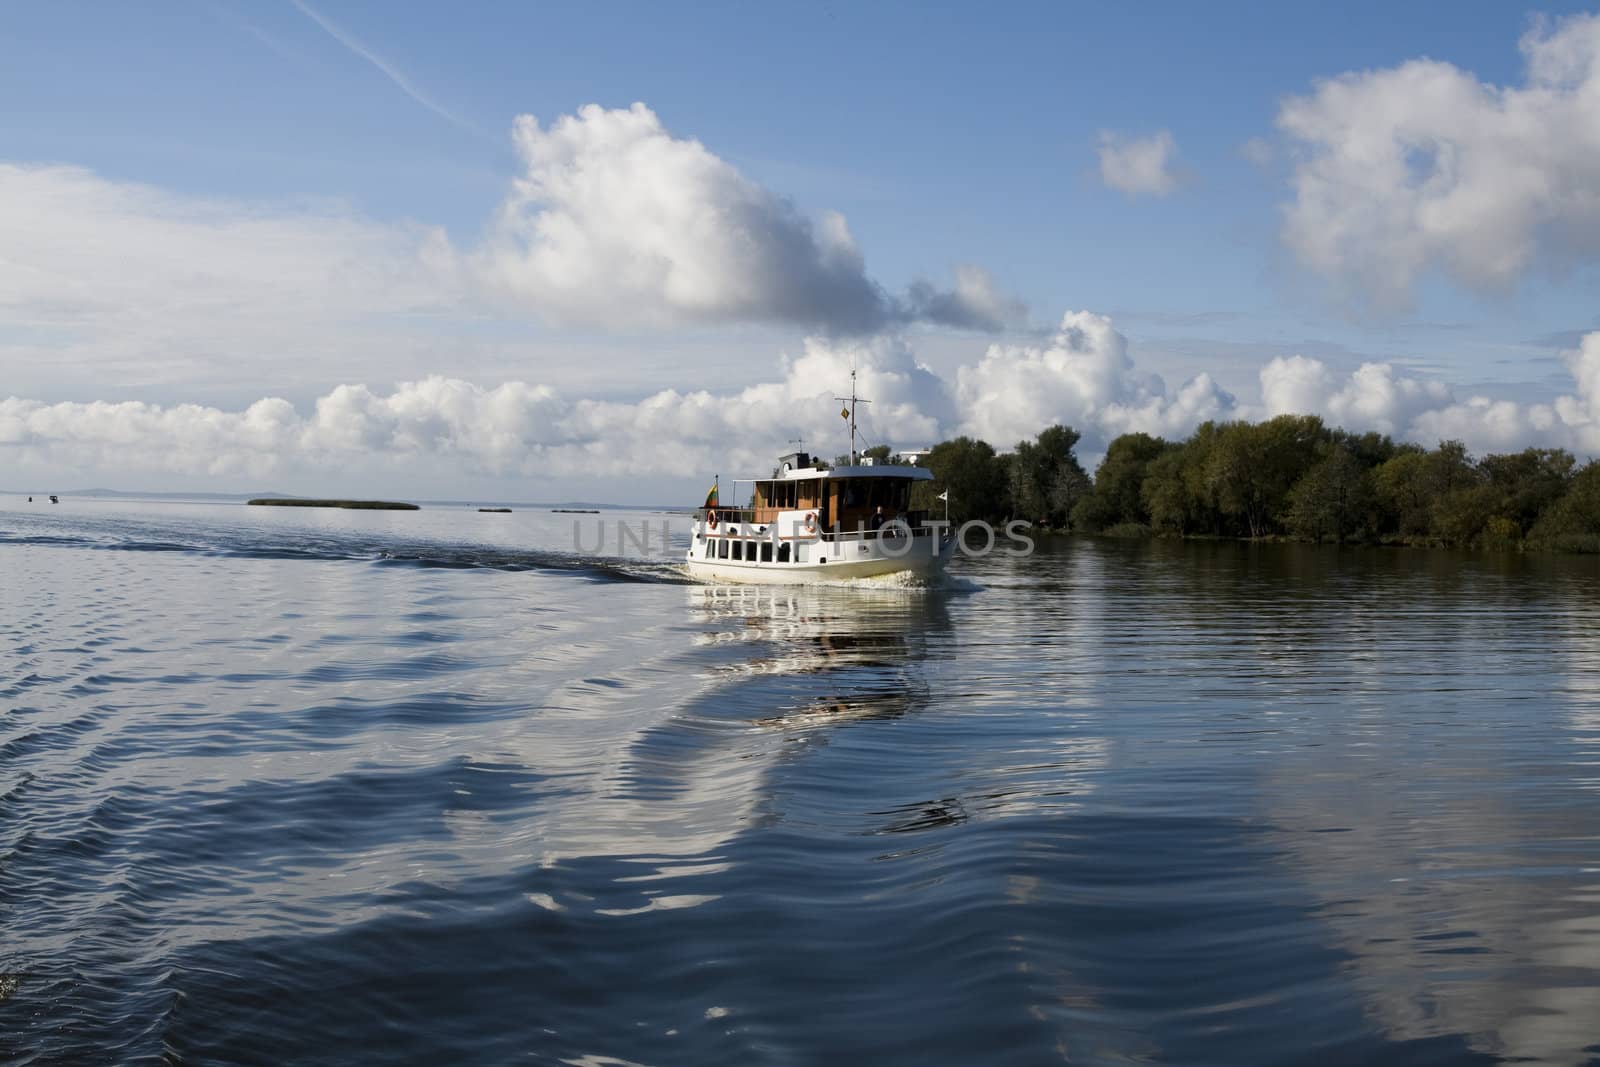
pixel 804 573
pixel 827 562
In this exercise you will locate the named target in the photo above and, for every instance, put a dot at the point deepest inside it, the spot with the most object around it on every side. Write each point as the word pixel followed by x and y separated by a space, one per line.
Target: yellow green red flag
pixel 711 497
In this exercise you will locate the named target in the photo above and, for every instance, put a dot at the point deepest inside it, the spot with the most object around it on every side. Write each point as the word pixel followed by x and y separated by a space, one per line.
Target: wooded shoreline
pixel 1290 478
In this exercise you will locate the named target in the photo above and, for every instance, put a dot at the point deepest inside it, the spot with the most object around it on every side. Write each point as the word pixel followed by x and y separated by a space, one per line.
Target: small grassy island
pixel 496 511
pixel 360 505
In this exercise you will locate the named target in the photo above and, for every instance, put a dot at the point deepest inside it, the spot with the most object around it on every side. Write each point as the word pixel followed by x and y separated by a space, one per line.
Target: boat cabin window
pixel 766 552
pixel 777 494
pixel 722 548
pixel 738 550
pixel 783 552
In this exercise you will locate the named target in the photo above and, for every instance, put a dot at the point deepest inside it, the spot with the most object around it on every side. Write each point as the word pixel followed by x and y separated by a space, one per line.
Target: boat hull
pixel 923 560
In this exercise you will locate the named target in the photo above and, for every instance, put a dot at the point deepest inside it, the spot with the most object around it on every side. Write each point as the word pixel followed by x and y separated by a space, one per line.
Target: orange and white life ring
pixel 811 522
pixel 711 518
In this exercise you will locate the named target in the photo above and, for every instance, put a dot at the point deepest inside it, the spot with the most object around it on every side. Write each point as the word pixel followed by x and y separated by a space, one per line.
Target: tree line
pixel 1288 477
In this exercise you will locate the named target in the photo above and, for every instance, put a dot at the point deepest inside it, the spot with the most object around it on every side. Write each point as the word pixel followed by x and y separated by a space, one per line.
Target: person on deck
pixel 875 520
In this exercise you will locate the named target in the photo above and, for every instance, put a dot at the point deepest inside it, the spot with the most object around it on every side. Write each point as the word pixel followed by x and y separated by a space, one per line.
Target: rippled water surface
pixel 340 787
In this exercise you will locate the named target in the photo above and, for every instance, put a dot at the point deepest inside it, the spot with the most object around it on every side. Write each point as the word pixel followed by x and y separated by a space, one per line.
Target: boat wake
pixel 239 543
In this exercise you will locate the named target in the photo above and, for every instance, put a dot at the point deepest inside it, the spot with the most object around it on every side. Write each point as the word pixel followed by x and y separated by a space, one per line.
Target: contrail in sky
pixel 387 68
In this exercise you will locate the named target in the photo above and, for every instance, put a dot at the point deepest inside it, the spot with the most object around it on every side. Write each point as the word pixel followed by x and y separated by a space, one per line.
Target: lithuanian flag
pixel 711 497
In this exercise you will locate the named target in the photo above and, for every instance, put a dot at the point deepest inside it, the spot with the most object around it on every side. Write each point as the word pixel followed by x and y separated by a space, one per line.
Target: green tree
pixel 881 455
pixel 1414 490
pixel 1331 499
pixel 1254 465
pixel 1525 483
pixel 1369 449
pixel 1460 515
pixel 1572 523
pixel 1401 491
pixel 1046 479
pixel 973 475
pixel 1072 484
pixel 1117 496
pixel 1167 495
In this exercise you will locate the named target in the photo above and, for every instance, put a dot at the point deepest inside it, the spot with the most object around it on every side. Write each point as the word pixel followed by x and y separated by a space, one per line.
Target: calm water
pixel 332 787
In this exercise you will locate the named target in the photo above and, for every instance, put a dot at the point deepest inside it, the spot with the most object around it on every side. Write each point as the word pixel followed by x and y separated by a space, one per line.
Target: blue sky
pixel 945 134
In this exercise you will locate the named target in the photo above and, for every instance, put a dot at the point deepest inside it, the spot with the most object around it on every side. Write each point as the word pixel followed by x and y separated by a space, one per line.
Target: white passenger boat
pixel 810 522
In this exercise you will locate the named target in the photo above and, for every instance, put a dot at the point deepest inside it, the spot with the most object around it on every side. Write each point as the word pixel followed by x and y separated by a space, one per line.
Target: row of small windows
pixel 750 551
pixel 853 492
pixel 786 494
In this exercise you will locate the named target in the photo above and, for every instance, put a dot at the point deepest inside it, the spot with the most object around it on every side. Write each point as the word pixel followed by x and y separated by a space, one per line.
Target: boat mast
pixel 852 400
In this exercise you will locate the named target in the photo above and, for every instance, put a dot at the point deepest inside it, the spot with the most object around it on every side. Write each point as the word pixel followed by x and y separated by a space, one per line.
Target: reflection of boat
pixel 869 646
pixel 810 522
pixel 811 631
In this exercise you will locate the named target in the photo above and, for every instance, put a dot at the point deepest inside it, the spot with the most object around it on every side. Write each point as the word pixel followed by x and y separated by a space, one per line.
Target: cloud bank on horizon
pixel 1082 376
pixel 613 222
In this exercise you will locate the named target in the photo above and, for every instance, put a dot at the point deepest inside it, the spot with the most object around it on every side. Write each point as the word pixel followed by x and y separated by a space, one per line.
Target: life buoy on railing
pixel 811 522
pixel 711 518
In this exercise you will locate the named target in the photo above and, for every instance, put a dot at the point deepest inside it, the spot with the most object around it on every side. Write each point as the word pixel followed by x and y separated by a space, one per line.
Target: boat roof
pixel 886 470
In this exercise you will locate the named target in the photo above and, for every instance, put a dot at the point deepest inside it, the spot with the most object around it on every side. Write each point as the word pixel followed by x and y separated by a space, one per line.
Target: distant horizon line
pixel 461 502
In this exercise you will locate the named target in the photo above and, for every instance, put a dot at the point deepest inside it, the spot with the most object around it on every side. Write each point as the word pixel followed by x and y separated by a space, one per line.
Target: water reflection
pixel 816 656
pixel 1431 805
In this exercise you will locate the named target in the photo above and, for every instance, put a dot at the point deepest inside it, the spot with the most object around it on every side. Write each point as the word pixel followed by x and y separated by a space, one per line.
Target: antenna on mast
pixel 850 412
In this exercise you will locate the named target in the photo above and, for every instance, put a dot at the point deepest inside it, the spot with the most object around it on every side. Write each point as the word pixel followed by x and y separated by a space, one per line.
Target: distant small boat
pixel 810 522
pixel 54 499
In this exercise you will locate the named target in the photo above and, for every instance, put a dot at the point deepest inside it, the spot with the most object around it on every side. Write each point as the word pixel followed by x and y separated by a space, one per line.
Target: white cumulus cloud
pixel 1371 398
pixel 514 430
pixel 1375 397
pixel 1423 167
pixel 1083 377
pixel 615 217
pixel 617 221
pixel 1139 165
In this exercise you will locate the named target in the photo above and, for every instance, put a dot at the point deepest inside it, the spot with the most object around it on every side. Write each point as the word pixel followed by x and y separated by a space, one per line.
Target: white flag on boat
pixel 943 496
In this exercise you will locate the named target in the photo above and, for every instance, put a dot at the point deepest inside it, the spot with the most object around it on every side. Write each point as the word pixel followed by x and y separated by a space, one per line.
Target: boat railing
pixel 918 525
pixel 733 514
pixel 872 535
